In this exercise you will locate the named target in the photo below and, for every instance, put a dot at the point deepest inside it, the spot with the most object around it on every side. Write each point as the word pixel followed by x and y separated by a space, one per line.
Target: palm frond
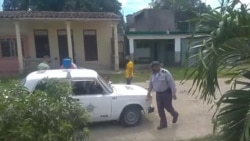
pixel 232 118
pixel 227 46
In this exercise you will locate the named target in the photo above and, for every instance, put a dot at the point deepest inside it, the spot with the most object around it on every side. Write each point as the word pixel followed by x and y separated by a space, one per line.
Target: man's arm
pixel 171 83
pixel 150 87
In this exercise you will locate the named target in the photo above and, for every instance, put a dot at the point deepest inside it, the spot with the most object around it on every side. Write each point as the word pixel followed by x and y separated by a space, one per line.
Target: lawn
pixel 140 76
pixel 143 75
pixel 206 138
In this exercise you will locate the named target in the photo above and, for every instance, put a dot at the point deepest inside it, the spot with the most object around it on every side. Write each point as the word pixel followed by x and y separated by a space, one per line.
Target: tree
pixel 227 46
pixel 184 10
pixel 63 5
pixel 13 5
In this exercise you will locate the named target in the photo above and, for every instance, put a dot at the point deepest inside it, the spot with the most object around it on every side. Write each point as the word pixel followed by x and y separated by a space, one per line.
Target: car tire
pixel 131 116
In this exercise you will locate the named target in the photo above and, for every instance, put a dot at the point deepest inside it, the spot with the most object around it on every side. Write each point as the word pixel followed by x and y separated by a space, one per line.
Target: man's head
pixel 129 58
pixel 46 59
pixel 106 78
pixel 155 66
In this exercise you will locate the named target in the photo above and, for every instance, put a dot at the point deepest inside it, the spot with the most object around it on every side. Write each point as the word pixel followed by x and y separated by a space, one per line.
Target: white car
pixel 103 101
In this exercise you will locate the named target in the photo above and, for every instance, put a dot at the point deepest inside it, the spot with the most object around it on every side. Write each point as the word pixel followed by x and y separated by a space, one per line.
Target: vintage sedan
pixel 103 101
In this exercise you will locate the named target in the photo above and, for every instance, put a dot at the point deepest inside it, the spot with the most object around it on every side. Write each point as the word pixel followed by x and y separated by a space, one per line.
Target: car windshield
pixel 105 84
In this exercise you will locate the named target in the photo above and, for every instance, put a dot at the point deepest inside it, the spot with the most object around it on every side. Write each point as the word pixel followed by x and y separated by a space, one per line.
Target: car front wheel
pixel 131 116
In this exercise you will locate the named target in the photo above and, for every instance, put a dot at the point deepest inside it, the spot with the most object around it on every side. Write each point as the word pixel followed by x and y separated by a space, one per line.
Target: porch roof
pixel 163 33
pixel 19 15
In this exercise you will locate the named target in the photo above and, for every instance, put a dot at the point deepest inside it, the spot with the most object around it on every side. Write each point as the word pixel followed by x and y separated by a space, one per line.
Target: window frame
pixel 35 33
pixel 105 84
pixel 105 92
pixel 38 83
pixel 13 40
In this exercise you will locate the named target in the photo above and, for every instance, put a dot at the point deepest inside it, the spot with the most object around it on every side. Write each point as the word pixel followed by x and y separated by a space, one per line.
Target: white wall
pixel 7 27
pixel 141 52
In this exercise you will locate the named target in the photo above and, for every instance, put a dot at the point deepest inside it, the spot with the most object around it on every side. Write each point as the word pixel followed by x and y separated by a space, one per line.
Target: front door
pixel 91 96
pixel 63 44
pixel 42 43
pixel 90 45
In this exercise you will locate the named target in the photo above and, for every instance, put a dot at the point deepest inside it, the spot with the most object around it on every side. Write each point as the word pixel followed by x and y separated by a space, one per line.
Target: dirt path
pixel 194 121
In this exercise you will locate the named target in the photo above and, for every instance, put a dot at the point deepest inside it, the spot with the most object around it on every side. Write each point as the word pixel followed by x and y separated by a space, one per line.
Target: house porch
pixel 90 40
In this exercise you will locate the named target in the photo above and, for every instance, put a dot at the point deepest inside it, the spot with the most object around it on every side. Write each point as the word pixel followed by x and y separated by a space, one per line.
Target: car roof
pixel 62 73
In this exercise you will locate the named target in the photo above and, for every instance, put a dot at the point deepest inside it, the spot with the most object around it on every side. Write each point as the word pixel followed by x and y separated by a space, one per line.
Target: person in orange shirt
pixel 129 72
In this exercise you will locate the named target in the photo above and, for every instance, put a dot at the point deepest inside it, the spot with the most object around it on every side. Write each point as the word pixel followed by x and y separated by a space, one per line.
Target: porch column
pixel 116 48
pixel 177 50
pixel 19 47
pixel 70 48
pixel 131 47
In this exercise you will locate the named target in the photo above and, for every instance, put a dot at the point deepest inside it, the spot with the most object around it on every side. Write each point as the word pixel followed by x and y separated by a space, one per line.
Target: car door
pixel 95 101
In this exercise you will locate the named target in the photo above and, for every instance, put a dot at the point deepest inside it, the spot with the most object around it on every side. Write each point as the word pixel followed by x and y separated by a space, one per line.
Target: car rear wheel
pixel 131 116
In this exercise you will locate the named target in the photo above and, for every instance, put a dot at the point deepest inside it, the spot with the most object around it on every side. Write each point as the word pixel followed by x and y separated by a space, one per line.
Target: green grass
pixel 143 75
pixel 140 76
pixel 206 138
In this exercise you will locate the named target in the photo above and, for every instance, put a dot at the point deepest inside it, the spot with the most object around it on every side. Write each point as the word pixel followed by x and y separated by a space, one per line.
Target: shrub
pixel 48 115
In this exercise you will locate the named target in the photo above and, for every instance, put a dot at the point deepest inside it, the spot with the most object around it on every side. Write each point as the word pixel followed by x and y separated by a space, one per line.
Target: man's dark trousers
pixel 164 101
pixel 129 80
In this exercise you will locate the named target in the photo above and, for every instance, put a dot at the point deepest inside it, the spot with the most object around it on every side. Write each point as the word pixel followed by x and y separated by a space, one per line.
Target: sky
pixel 132 6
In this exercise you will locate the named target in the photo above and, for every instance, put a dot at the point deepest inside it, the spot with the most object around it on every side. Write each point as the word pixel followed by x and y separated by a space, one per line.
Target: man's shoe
pixel 162 127
pixel 175 119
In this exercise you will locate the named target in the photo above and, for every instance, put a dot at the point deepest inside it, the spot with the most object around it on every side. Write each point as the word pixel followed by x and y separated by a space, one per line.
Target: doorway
pixel 42 43
pixel 170 52
pixel 63 45
pixel 90 45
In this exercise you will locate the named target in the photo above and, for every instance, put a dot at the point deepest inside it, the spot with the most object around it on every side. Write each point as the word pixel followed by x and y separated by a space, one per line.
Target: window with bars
pixel 8 47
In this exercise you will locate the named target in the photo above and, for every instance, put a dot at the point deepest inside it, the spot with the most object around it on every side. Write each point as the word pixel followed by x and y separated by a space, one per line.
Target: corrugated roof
pixel 57 15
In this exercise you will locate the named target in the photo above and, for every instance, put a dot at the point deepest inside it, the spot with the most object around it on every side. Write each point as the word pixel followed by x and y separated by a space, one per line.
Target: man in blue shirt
pixel 162 82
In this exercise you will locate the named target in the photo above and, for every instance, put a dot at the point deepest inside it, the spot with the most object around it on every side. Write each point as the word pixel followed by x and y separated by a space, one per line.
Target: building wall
pixel 155 50
pixel 103 29
pixel 142 49
pixel 180 52
pixel 185 51
pixel 10 65
pixel 152 20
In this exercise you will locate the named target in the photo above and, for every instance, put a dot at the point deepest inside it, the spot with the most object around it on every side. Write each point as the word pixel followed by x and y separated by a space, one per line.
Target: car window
pixel 105 84
pixel 40 86
pixel 88 87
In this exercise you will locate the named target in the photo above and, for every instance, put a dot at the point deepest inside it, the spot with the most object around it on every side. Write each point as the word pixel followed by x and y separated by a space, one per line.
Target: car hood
pixel 129 89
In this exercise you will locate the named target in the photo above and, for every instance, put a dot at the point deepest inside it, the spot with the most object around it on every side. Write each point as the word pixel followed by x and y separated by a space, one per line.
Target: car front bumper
pixel 151 109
